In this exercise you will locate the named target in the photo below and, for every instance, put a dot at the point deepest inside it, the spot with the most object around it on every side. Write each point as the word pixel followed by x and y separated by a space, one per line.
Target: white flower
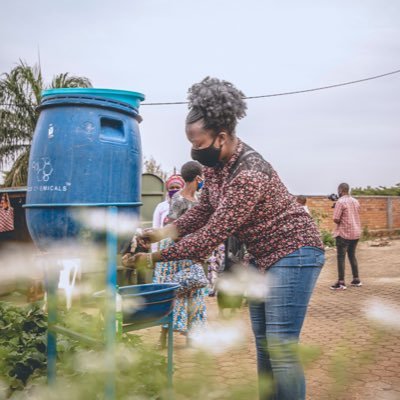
pixel 100 220
pixel 219 337
pixel 383 312
pixel 244 281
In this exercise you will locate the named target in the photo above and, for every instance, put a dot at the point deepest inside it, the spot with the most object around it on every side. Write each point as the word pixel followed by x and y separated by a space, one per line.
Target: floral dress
pixel 190 312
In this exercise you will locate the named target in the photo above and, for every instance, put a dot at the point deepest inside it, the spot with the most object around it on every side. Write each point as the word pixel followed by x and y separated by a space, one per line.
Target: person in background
pixel 244 197
pixel 302 200
pixel 212 272
pixel 221 257
pixel 6 218
pixel 173 184
pixel 189 310
pixel 346 216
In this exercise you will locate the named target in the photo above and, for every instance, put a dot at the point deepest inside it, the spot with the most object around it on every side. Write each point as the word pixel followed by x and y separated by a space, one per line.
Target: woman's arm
pixel 192 220
pixel 196 217
pixel 242 195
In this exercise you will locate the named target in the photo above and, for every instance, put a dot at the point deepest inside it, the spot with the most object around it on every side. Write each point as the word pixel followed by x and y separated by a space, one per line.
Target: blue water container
pixel 86 153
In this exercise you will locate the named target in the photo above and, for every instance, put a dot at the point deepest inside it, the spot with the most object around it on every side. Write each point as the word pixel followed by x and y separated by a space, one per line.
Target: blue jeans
pixel 277 322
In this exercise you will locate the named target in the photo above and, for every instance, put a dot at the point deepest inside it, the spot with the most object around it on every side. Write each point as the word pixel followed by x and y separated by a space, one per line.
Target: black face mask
pixel 208 156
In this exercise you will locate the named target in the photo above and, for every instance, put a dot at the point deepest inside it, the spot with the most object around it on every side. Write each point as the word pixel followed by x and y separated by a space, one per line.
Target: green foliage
pixel 365 235
pixel 82 372
pixel 20 94
pixel 378 191
pixel 152 167
pixel 82 375
pixel 231 301
pixel 22 344
pixel 318 216
pixel 141 372
pixel 326 236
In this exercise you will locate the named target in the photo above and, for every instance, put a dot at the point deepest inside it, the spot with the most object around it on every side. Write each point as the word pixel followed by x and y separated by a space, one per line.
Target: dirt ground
pixel 350 356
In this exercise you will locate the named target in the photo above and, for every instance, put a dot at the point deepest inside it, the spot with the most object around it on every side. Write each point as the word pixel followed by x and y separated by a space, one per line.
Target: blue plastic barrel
pixel 86 152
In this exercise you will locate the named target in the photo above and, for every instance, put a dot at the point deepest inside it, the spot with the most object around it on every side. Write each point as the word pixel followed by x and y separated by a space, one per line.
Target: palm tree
pixel 20 94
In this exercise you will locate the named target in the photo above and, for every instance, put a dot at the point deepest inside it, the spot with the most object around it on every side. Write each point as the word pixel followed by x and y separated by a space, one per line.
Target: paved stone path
pixel 348 355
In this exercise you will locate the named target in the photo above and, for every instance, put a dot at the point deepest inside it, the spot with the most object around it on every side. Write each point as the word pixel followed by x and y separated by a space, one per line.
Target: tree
pixel 379 191
pixel 151 167
pixel 20 94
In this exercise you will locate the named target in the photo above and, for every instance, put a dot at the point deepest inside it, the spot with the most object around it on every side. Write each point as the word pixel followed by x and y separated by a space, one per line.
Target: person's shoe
pixel 356 282
pixel 339 286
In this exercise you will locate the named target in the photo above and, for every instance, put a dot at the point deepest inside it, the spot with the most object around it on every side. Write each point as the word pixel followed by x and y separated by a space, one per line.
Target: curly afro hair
pixel 218 103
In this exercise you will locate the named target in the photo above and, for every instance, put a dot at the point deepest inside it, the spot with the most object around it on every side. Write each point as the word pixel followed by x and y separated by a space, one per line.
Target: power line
pixel 267 95
pixel 327 87
pixel 292 92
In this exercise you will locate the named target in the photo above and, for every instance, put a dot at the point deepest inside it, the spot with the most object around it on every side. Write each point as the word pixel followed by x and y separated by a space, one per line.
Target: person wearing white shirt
pixel 173 184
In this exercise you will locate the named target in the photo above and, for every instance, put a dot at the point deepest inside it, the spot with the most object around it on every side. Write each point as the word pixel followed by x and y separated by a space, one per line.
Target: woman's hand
pixel 155 235
pixel 141 260
pixel 143 244
pixel 138 260
pixel 152 235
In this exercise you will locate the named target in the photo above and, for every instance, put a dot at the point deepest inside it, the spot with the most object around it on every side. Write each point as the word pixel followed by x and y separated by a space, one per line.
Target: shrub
pixel 82 370
pixel 327 238
pixel 365 235
pixel 22 344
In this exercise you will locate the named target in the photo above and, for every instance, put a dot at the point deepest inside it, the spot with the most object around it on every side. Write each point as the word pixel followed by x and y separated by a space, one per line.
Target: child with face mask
pixel 189 309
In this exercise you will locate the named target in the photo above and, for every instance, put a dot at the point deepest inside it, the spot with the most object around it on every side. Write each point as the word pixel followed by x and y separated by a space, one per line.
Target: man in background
pixel 346 216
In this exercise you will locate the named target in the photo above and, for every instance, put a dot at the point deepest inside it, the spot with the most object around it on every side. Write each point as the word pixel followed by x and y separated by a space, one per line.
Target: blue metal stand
pixel 110 320
pixel 51 277
pixel 168 320
pixel 111 283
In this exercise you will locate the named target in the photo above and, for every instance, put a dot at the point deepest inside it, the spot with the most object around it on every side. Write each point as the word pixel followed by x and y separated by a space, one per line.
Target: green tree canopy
pixel 20 94
pixel 152 167
pixel 377 191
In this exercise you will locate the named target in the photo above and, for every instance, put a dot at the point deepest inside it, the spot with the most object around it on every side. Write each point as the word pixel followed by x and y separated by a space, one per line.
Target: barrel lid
pixel 124 96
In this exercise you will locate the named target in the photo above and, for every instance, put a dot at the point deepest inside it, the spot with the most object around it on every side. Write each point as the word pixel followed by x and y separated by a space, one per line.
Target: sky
pixel 161 47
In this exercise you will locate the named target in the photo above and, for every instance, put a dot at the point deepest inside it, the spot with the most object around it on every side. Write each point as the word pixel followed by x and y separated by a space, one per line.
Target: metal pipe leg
pixel 51 277
pixel 111 283
pixel 170 349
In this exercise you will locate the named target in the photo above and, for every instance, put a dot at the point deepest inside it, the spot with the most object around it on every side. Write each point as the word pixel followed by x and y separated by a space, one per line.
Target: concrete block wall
pixel 378 213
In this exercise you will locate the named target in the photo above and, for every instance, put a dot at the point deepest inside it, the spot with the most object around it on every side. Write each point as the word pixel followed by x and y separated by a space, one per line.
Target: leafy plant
pixel 152 167
pixel 318 216
pixel 82 374
pixel 22 343
pixel 82 371
pixel 365 234
pixel 326 236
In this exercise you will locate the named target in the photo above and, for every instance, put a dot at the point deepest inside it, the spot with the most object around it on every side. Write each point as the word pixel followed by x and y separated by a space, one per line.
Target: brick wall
pixel 378 213
pixel 396 212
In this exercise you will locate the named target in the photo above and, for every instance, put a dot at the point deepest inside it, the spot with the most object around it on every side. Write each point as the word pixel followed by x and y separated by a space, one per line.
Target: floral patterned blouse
pixel 245 198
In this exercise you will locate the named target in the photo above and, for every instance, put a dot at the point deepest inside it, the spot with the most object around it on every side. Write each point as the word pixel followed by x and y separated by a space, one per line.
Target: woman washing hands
pixel 244 197
pixel 150 235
